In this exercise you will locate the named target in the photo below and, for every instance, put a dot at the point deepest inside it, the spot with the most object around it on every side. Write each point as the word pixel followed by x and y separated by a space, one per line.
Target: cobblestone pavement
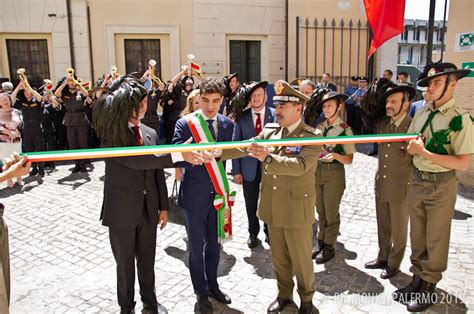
pixel 61 258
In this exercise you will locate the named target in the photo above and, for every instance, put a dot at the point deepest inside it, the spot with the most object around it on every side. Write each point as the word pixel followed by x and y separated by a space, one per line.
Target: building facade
pixel 413 40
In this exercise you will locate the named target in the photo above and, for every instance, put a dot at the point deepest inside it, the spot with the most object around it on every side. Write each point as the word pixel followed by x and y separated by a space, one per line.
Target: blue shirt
pixel 415 106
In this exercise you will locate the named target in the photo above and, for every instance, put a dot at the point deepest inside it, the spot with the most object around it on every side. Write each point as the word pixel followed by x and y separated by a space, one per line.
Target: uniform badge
pixel 279 87
pixel 432 72
pixel 293 149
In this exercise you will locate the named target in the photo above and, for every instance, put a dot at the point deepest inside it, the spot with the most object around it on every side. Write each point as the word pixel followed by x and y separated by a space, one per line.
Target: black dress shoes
pixel 219 296
pixel 203 304
pixel 318 248
pixel 33 172
pixel 278 305
pixel 425 297
pixel 326 254
pixel 389 272
pixel 376 264
pixel 252 242
pixel 308 308
pixel 404 295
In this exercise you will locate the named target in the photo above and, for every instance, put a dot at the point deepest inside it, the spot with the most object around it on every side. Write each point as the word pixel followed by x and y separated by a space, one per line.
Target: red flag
pixel 386 20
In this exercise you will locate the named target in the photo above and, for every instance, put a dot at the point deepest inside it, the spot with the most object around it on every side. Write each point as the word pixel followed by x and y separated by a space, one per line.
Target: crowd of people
pixel 415 181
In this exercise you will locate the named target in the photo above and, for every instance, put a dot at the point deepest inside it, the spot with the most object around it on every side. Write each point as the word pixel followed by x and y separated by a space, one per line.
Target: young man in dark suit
pixel 135 193
pixel 196 196
pixel 246 170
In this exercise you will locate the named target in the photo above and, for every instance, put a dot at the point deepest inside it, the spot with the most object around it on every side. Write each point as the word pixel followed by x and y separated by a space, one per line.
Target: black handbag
pixel 176 212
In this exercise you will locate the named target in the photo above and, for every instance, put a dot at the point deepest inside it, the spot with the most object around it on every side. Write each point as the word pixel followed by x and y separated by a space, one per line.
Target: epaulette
pixel 344 125
pixel 312 130
pixel 272 125
pixel 460 110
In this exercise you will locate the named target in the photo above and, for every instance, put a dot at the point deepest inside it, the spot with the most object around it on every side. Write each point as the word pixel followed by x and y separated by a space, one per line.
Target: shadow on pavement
pixel 261 260
pixel 219 308
pixel 466 192
pixel 339 277
pixel 459 215
pixel 75 180
pixel 226 262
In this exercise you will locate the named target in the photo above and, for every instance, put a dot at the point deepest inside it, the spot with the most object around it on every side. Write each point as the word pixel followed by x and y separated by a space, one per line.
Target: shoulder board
pixel 344 125
pixel 312 130
pixel 272 125
pixel 460 110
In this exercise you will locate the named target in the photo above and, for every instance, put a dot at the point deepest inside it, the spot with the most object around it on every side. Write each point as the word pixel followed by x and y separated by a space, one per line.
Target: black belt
pixel 330 165
pixel 434 176
pixel 74 110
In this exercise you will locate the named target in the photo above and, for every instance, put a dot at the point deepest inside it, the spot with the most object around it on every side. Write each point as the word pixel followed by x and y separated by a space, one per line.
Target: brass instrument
pixel 154 79
pixel 113 73
pixel 70 75
pixel 190 57
pixel 24 79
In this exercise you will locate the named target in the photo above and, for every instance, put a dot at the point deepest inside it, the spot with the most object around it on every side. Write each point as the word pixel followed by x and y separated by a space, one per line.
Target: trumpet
pixel 70 75
pixel 24 79
pixel 154 79
pixel 113 72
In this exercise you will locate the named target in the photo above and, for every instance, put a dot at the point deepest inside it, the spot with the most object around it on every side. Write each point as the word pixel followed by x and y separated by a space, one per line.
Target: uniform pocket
pixel 302 209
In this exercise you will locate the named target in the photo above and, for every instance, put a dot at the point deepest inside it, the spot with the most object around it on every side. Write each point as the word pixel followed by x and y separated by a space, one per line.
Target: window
pixel 417 34
pixel 32 55
pixel 138 52
pixel 405 34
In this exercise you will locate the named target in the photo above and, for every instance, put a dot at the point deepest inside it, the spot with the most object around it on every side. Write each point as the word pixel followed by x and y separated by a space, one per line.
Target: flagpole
pixel 429 46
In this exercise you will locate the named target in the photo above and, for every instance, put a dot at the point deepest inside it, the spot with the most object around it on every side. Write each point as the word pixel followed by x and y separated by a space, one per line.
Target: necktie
pixel 428 121
pixel 258 124
pixel 284 133
pixel 210 122
pixel 326 130
pixel 138 137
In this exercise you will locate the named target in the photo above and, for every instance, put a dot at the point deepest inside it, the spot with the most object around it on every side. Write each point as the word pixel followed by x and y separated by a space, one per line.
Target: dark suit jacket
pixel 129 179
pixel 196 192
pixel 243 130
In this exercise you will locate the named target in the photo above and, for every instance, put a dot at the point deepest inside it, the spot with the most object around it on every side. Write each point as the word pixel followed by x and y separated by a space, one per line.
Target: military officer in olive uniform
pixel 391 182
pixel 75 118
pixel 331 176
pixel 445 145
pixel 287 197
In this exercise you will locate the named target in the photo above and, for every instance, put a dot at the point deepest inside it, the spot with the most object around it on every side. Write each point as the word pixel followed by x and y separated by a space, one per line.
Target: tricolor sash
pixel 224 198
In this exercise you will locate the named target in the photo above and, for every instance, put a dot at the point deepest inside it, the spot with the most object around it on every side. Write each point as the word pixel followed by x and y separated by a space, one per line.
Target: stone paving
pixel 61 259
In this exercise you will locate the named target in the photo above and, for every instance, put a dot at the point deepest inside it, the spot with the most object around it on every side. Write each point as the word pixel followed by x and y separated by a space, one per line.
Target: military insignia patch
pixel 279 87
pixel 432 72
pixel 293 149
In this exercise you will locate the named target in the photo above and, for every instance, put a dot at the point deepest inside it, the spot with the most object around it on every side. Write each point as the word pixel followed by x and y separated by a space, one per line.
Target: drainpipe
pixel 286 40
pixel 69 26
pixel 90 43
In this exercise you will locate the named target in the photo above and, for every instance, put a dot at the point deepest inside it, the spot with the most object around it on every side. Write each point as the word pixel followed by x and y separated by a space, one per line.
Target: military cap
pixel 402 88
pixel 363 78
pixel 253 87
pixel 437 69
pixel 296 82
pixel 285 93
pixel 330 96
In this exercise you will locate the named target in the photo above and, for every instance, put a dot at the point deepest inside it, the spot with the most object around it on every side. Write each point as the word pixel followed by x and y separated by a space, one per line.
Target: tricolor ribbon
pixel 131 151
pixel 216 171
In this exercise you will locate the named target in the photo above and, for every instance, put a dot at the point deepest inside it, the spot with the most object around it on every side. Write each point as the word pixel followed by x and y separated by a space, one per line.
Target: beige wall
pixel 461 11
pixel 171 19
pixel 216 22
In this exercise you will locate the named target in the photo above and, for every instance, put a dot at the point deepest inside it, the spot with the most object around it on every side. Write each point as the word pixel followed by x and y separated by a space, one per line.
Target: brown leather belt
pixel 434 176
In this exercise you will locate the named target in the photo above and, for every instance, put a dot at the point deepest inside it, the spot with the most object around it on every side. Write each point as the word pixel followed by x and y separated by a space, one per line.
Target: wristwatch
pixel 268 159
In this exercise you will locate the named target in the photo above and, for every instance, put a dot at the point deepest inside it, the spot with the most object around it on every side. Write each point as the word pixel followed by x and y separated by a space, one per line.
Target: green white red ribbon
pixel 224 199
pixel 130 151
